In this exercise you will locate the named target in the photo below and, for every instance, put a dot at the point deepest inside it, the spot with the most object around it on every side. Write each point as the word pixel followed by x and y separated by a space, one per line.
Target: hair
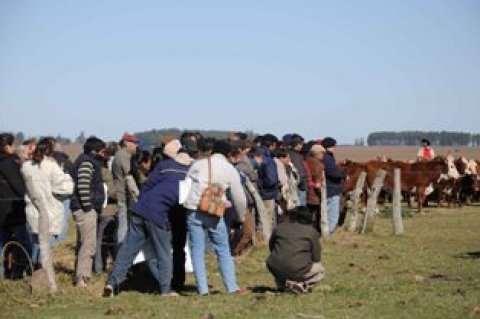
pixel 44 148
pixel 6 139
pixel 93 145
pixel 187 135
pixel 258 139
pixel 111 148
pixel 241 135
pixel 238 146
pixel 29 141
pixel 157 156
pixel 307 147
pixel 301 214
pixel 205 145
pixel 269 140
pixel 222 147
pixel 143 156
pixel 280 153
pixel 296 139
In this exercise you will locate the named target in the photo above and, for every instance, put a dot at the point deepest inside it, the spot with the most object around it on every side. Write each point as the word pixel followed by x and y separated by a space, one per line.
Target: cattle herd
pixel 444 179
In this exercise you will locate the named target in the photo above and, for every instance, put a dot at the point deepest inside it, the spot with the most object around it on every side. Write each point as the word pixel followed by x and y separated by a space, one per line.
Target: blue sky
pixel 338 68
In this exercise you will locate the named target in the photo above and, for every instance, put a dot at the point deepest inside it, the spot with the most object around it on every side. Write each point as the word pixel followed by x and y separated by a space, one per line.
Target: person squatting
pixel 149 203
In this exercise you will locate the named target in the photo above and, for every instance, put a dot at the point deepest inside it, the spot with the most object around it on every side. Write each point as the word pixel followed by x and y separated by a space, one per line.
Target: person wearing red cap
pixel 120 170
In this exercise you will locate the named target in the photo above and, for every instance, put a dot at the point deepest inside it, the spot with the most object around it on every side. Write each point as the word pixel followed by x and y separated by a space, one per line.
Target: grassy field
pixel 424 274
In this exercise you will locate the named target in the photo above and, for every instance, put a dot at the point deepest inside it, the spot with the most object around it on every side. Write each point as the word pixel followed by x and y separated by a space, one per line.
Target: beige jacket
pixel 224 174
pixel 47 186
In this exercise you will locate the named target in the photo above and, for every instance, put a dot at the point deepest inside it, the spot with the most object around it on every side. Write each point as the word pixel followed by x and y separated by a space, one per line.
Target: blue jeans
pixel 19 234
pixel 139 231
pixel 36 254
pixel 122 220
pixel 66 218
pixel 333 212
pixel 198 224
pixel 302 198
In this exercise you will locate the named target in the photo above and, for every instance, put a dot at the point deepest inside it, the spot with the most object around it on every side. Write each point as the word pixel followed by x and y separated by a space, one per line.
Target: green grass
pixel 377 275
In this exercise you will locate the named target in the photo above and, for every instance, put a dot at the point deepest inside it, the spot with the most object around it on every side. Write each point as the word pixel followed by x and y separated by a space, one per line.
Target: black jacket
pixel 97 191
pixel 294 247
pixel 12 192
pixel 297 160
pixel 333 175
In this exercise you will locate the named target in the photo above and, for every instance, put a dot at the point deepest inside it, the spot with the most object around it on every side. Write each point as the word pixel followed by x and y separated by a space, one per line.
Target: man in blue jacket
pixel 334 179
pixel 268 182
pixel 151 219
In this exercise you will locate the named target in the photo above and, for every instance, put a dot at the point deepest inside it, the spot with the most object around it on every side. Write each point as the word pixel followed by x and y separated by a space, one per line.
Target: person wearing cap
pixel 121 166
pixel 334 178
pixel 151 221
pixel 294 259
pixel 425 152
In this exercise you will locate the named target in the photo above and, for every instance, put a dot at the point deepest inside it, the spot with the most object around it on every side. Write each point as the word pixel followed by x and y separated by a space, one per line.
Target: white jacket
pixel 47 184
pixel 224 174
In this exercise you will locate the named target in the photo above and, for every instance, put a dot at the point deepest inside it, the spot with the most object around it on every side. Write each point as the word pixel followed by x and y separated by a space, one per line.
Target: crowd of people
pixel 270 186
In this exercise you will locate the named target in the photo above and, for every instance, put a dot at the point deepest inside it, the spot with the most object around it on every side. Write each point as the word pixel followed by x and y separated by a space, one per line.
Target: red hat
pixel 129 138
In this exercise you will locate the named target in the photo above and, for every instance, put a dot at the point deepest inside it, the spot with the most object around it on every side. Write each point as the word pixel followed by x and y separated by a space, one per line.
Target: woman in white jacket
pixel 47 186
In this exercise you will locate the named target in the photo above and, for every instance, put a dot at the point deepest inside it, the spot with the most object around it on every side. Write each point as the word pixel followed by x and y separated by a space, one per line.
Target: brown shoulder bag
pixel 211 201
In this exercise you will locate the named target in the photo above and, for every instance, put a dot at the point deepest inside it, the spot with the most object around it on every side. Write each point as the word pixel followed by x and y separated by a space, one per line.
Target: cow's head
pixel 471 167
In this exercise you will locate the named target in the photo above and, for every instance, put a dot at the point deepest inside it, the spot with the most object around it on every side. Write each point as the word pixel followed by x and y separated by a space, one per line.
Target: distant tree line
pixel 20 138
pixel 406 138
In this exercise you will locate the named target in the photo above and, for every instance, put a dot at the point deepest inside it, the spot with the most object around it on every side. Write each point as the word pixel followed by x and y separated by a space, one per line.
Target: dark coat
pixel 333 175
pixel 297 160
pixel 97 191
pixel 294 247
pixel 12 192
pixel 159 195
pixel 268 178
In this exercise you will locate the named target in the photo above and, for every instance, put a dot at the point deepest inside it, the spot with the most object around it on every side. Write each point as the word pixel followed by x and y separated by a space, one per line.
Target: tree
pixel 81 138
pixel 19 137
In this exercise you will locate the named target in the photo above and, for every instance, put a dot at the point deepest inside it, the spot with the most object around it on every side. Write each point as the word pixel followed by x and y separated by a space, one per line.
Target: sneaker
pixel 108 291
pixel 241 291
pixel 296 287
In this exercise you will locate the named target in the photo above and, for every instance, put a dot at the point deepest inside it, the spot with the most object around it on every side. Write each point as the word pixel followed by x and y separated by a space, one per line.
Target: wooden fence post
pixel 323 208
pixel 372 199
pixel 357 192
pixel 397 208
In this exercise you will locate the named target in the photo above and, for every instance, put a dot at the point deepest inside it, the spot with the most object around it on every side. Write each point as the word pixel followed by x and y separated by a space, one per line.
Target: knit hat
pixel 171 148
pixel 329 142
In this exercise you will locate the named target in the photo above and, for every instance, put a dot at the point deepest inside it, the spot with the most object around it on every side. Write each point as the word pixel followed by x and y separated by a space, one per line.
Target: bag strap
pixel 209 171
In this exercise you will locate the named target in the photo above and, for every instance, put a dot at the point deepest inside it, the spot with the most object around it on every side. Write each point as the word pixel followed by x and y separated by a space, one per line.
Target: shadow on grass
pixel 262 289
pixel 469 255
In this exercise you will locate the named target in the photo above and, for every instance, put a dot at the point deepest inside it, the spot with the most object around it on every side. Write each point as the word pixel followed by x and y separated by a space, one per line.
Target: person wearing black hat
pixel 334 178
pixel 425 153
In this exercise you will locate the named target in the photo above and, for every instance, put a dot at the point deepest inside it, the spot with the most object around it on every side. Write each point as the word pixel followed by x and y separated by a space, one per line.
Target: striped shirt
pixel 85 172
